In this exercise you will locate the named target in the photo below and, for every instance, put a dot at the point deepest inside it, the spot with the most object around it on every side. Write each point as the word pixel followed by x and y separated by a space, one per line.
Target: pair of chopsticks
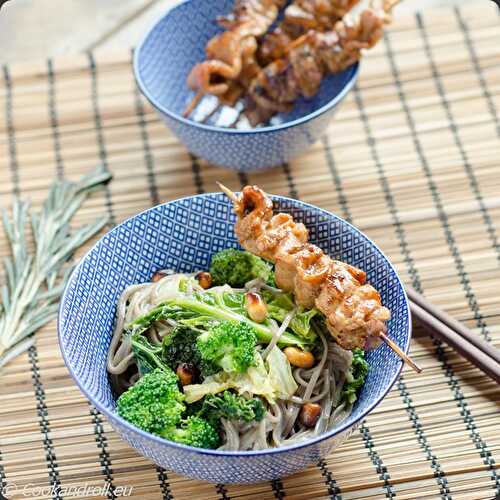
pixel 442 326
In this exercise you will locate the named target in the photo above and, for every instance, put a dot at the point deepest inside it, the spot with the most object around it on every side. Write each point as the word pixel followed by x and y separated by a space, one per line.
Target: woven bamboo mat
pixel 412 159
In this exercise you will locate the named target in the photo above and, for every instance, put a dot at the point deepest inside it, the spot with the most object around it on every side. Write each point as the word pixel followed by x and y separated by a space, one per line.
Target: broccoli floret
pixel 231 346
pixel 180 347
pixel 231 406
pixel 194 431
pixel 236 267
pixel 355 376
pixel 154 403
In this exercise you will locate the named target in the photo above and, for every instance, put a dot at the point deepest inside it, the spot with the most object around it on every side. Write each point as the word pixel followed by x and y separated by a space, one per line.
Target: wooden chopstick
pixel 453 324
pixel 456 335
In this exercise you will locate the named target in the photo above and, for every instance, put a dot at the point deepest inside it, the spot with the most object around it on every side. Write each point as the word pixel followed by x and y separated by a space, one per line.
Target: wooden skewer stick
pixel 232 196
pixel 297 42
pixel 399 352
pixel 195 101
pixel 211 113
pixel 392 4
pixel 234 123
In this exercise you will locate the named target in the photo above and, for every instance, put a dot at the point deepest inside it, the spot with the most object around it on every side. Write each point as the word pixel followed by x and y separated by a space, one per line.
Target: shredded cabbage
pixel 255 381
pixel 280 374
pixel 279 305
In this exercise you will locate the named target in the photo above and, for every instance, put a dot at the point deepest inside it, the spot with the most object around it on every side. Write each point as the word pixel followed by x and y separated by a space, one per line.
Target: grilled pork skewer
pixel 355 316
pixel 232 62
pixel 310 58
pixel 300 17
pixel 230 55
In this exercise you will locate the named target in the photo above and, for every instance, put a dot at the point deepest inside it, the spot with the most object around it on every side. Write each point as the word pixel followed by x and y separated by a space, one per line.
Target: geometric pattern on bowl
pixel 162 62
pixel 183 235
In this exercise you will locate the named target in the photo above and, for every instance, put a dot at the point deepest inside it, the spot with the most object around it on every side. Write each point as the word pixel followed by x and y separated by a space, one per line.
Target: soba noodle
pixel 280 426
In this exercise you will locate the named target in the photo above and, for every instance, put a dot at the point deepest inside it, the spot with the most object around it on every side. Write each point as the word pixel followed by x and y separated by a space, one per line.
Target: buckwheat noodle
pixel 280 426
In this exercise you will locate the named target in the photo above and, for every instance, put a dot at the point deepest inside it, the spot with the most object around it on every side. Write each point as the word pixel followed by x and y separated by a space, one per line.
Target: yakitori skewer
pixel 233 60
pixel 231 54
pixel 310 58
pixel 354 314
pixel 299 17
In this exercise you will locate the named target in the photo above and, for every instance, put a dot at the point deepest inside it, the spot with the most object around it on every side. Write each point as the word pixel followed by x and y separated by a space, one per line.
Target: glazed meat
pixel 306 60
pixel 268 72
pixel 300 17
pixel 231 53
pixel 353 310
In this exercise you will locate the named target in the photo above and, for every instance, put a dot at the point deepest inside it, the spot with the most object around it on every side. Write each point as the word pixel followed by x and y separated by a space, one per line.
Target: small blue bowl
pixel 183 235
pixel 165 57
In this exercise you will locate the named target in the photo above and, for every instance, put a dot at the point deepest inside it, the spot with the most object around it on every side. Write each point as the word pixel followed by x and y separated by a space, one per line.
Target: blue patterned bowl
pixel 164 59
pixel 183 235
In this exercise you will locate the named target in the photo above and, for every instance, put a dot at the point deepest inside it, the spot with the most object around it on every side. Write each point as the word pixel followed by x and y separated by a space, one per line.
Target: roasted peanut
pixel 186 373
pixel 157 276
pixel 309 414
pixel 302 359
pixel 255 306
pixel 204 279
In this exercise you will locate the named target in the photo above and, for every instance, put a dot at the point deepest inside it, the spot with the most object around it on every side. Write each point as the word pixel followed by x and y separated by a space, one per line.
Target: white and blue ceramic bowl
pixel 183 235
pixel 165 57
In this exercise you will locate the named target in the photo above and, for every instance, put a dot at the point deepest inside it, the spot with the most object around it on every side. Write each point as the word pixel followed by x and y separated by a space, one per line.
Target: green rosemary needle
pixel 35 280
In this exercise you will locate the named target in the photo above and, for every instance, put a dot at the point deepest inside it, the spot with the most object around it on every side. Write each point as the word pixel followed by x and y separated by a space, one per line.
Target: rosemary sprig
pixel 35 281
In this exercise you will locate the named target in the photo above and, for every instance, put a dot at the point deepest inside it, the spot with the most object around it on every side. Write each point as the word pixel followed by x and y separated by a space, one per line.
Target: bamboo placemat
pixel 411 158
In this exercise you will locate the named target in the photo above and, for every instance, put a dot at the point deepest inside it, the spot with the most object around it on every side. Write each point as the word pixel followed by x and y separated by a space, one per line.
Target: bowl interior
pixel 177 42
pixel 183 235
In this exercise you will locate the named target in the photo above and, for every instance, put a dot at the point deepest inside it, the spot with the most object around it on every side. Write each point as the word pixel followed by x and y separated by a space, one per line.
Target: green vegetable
pixel 180 347
pixel 154 403
pixel 236 267
pixel 280 304
pixel 224 313
pixel 280 374
pixel 232 300
pixel 185 281
pixel 271 281
pixel 194 431
pixel 204 310
pixel 231 406
pixel 147 355
pixel 228 345
pixel 355 376
pixel 158 313
pixel 211 385
pixel 255 381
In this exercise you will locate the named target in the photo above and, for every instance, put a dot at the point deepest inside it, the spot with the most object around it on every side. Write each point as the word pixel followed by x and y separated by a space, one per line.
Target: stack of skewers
pixel 265 71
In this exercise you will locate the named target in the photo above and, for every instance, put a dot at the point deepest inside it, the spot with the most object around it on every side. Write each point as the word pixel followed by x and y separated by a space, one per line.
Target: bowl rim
pixel 112 416
pixel 353 74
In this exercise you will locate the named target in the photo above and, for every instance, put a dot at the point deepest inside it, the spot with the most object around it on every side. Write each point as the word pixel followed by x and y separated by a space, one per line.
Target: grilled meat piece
pixel 352 308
